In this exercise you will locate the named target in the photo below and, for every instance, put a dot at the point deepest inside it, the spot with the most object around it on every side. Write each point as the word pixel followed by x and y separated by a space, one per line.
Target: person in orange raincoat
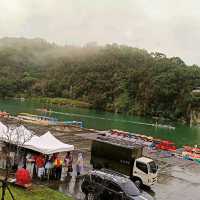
pixel 58 167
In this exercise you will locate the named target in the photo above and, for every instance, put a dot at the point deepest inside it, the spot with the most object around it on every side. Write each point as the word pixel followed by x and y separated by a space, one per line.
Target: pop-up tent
pixel 47 144
pixel 20 136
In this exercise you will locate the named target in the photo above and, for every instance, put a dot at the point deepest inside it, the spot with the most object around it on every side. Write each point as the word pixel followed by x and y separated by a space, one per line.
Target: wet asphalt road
pixel 178 184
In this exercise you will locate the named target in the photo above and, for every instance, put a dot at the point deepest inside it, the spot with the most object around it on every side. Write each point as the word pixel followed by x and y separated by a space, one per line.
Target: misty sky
pixel 168 26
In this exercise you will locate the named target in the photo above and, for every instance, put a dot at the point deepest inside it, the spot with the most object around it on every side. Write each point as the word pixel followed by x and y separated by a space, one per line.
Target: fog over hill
pixel 170 26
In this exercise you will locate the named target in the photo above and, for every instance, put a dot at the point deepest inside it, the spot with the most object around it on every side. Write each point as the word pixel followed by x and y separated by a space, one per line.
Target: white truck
pixel 126 159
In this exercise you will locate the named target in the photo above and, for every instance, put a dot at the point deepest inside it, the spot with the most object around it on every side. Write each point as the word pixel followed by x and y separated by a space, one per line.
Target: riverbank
pixel 36 192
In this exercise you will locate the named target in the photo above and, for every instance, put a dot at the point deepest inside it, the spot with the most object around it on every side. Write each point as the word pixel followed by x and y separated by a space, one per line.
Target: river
pixel 181 135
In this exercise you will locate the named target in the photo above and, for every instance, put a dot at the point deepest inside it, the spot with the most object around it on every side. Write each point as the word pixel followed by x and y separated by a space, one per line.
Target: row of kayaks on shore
pixel 166 147
pixel 191 153
pixel 144 140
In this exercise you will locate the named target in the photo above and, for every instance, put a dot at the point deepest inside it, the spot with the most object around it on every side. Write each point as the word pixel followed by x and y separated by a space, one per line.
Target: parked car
pixel 110 185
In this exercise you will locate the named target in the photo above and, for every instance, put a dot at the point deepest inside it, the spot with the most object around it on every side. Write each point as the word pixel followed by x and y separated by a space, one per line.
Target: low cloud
pixel 170 26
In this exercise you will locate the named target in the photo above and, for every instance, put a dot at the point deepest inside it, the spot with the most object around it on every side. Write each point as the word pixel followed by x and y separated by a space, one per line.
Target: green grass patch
pixel 35 193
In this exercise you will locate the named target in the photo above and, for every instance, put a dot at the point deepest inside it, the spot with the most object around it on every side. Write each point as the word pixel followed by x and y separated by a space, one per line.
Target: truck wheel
pixel 138 183
pixel 91 196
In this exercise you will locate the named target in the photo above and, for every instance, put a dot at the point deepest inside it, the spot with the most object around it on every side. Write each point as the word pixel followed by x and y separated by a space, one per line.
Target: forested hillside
pixel 114 77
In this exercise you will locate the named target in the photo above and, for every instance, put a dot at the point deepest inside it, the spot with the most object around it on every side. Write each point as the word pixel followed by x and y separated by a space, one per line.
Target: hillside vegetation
pixel 113 77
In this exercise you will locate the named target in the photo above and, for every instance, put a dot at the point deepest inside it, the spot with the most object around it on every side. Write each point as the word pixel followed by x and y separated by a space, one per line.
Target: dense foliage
pixel 114 77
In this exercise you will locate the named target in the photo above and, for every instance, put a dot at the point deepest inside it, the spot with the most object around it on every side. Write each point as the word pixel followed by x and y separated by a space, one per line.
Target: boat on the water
pixel 43 110
pixel 37 119
pixel 46 121
pixel 164 126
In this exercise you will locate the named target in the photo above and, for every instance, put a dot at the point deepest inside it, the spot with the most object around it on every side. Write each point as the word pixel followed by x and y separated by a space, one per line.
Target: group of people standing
pixel 55 166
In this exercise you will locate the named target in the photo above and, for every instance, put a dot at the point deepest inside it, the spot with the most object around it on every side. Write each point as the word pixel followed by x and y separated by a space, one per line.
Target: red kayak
pixel 192 149
pixel 166 145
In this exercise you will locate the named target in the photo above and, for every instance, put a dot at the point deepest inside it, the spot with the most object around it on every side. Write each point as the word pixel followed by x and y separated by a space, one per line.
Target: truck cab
pixel 144 172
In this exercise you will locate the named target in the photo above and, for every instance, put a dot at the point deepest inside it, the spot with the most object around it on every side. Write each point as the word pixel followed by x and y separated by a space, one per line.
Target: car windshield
pixel 153 167
pixel 130 188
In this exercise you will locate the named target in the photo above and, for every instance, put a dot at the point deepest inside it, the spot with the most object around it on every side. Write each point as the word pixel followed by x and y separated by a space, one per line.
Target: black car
pixel 109 185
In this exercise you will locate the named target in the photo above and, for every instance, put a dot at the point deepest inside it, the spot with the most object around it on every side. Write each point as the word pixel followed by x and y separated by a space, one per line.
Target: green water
pixel 183 134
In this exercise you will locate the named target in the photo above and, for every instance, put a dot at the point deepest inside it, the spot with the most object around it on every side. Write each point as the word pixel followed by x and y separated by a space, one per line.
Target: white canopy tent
pixel 20 136
pixel 47 144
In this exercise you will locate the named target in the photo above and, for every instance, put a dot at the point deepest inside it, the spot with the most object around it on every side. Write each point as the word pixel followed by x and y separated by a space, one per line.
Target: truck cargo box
pixel 114 155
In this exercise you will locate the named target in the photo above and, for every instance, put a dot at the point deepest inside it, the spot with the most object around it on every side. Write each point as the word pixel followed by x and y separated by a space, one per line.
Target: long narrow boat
pixel 37 119
pixel 46 121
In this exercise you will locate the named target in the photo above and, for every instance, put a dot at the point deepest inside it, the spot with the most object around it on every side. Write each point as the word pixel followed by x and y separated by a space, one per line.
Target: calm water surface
pixel 183 134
